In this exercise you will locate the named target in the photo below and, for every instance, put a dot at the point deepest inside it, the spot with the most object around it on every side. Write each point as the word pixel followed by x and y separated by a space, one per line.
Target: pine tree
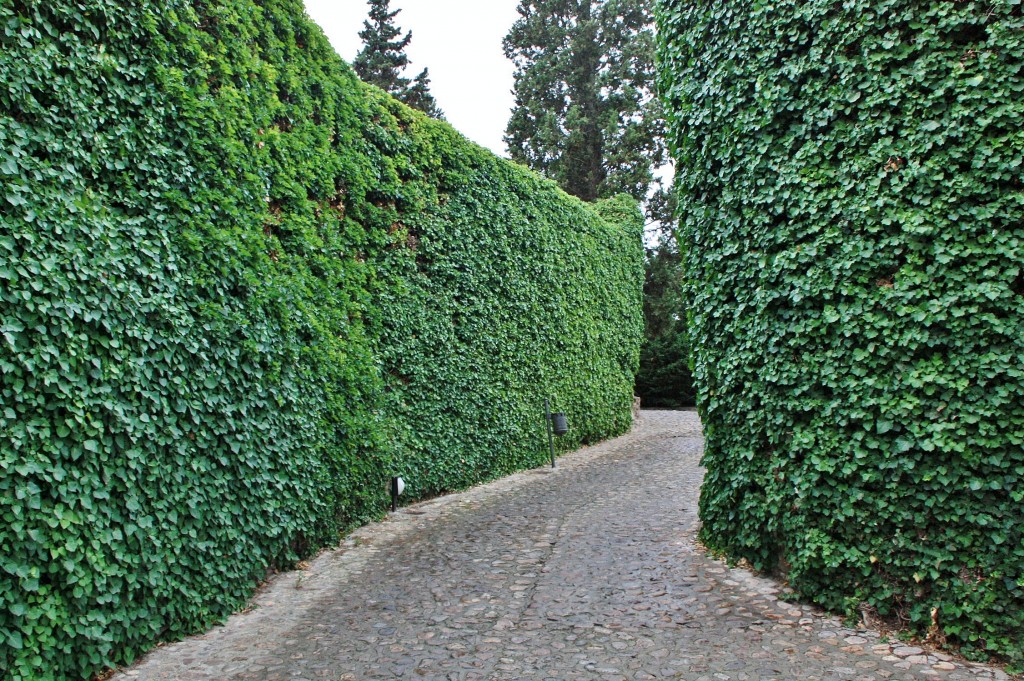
pixel 382 60
pixel 417 95
pixel 586 114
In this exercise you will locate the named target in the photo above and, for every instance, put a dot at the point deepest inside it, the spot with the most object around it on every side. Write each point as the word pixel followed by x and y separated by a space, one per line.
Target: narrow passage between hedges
pixel 590 571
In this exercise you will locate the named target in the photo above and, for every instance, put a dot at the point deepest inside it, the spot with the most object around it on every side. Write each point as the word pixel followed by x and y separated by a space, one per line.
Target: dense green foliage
pixel 382 60
pixel 664 379
pixel 211 237
pixel 494 320
pixel 854 231
pixel 586 115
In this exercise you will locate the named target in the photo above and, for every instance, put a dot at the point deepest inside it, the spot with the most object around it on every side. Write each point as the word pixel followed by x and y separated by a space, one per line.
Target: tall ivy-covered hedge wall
pixel 238 290
pixel 854 233
pixel 505 305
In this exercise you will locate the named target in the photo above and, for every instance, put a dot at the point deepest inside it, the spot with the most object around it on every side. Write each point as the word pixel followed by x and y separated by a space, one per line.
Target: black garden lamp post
pixel 556 423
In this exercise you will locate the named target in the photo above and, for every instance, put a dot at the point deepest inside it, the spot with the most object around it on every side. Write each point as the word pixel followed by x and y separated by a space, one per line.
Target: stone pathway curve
pixel 588 571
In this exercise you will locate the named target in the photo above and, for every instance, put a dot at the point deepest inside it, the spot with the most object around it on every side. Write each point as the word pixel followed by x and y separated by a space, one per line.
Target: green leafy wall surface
pixel 854 234
pixel 238 290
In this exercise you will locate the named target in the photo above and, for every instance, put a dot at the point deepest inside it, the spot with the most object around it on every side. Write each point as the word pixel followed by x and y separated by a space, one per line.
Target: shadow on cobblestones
pixel 589 571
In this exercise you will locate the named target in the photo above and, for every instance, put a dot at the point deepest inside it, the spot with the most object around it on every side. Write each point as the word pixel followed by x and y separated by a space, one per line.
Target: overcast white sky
pixel 458 40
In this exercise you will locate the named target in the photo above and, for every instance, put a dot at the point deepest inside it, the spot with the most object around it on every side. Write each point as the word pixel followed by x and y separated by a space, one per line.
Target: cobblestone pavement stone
pixel 587 571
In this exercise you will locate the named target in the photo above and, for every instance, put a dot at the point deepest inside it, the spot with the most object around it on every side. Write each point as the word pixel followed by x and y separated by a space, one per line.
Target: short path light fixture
pixel 555 422
pixel 397 487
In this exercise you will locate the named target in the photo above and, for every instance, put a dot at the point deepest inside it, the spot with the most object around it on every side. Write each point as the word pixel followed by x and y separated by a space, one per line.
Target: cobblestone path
pixel 589 571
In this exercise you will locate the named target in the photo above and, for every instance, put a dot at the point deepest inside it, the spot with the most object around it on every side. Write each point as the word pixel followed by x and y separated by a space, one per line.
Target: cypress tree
pixel 585 112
